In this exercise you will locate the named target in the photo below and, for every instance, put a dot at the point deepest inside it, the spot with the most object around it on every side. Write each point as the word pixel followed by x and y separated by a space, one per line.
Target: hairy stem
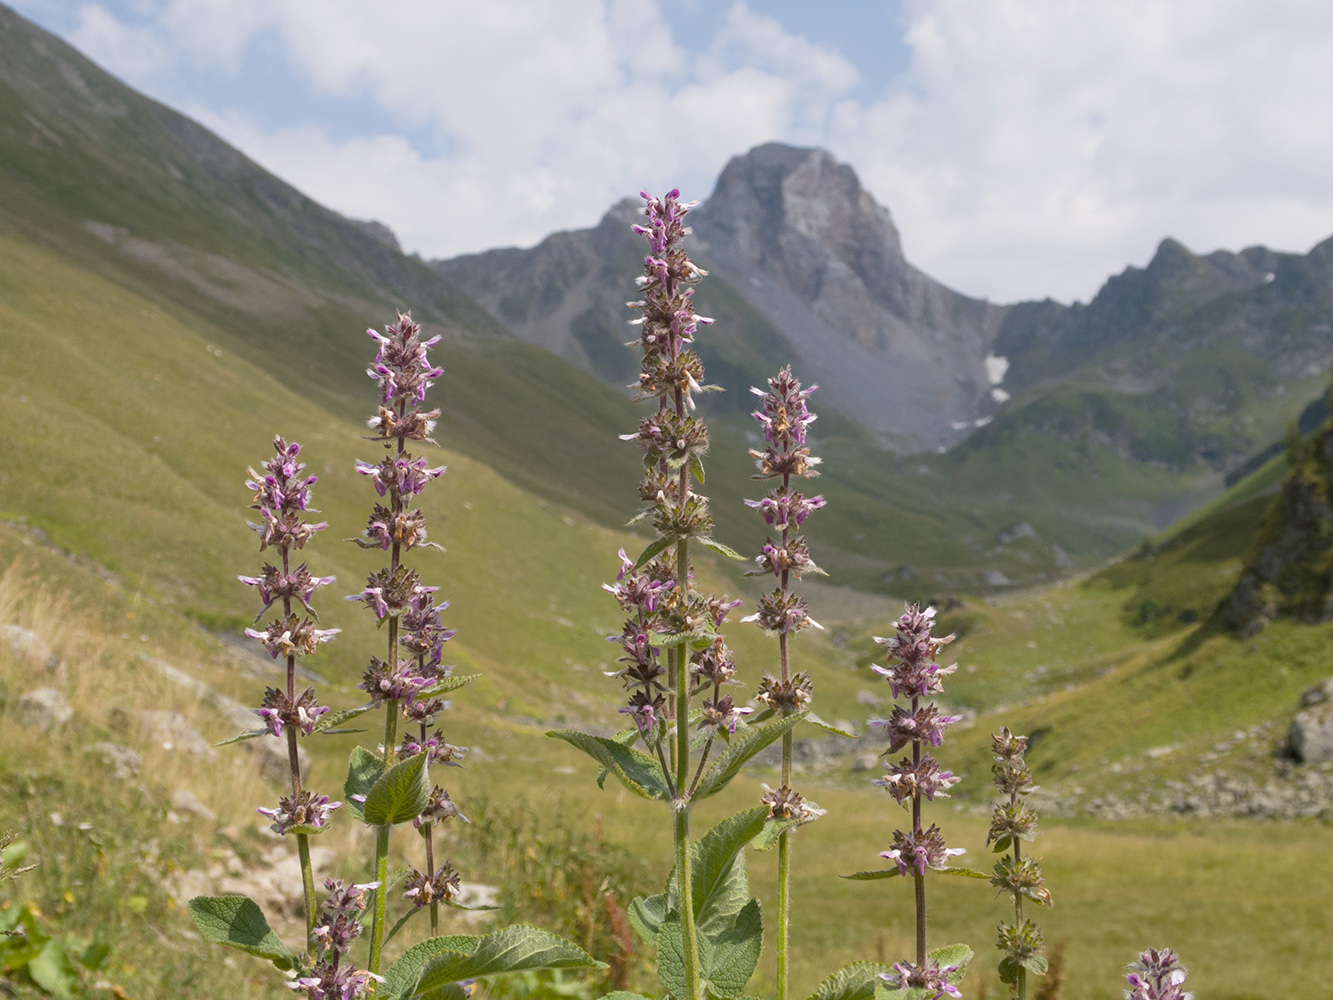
pixel 682 803
pixel 1021 987
pixel 381 893
pixel 918 878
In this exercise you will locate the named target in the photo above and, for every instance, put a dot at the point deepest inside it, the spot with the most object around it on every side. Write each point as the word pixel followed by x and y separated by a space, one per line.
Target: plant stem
pixel 681 806
pixel 685 900
pixel 382 874
pixel 918 878
pixel 294 765
pixel 1022 985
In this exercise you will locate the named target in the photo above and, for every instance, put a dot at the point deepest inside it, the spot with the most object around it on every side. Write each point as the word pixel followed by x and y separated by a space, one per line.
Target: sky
pixel 1026 148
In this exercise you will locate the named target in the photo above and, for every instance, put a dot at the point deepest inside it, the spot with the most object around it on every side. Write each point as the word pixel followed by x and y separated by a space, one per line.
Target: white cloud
pixel 1034 146
pixel 1039 145
pixel 545 114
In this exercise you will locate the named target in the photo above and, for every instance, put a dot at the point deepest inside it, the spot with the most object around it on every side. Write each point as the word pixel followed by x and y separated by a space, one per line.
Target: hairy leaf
pixel 400 793
pixel 363 770
pixel 742 748
pixel 852 982
pixel 638 772
pixel 238 922
pixel 511 949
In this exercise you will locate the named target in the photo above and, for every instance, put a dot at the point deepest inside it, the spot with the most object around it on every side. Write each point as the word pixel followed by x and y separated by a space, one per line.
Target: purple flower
pixel 279 710
pixel 282 495
pixel 919 851
pixel 334 982
pixel 793 558
pixel 403 474
pixel 291 636
pixel 423 889
pixel 722 714
pixel 1157 975
pixel 930 976
pixel 785 803
pixel 926 724
pixel 439 807
pixel 438 751
pixel 783 511
pixel 398 681
pixel 905 779
pixel 401 366
pixel 297 584
pixel 304 810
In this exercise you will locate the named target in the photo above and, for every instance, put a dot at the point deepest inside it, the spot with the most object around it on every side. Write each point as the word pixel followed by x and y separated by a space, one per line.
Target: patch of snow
pixel 958 425
pixel 999 395
pixel 1269 277
pixel 982 421
pixel 996 366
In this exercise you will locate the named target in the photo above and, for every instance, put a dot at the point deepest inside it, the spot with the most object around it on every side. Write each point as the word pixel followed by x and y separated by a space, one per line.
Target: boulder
pixel 44 708
pixel 1311 734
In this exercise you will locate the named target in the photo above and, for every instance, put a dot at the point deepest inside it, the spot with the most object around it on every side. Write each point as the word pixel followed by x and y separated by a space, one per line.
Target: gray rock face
pixel 124 762
pixel 29 646
pixel 44 708
pixel 792 233
pixel 796 234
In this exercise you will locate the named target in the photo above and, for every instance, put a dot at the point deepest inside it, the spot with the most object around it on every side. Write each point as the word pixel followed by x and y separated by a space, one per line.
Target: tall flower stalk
pixel 1013 823
pixel 1157 975
pixel 914 675
pixel 408 681
pixel 282 497
pixel 785 418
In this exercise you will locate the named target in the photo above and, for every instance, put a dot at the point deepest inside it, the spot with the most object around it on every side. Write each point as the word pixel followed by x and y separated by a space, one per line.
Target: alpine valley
pixel 1080 488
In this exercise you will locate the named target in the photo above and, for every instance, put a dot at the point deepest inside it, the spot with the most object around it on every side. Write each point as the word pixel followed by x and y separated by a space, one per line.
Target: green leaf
pixel 671 956
pixel 363 770
pixel 447 684
pixel 93 955
pixel 646 916
pixel 719 888
pixel 1003 843
pixel 653 549
pixel 238 922
pixel 728 961
pixel 624 995
pixel 852 982
pixel 249 734
pixel 52 970
pixel 1009 966
pixel 402 975
pixel 722 550
pixel 338 718
pixel 829 727
pixel 402 922
pixel 767 838
pixel 638 772
pixel 665 640
pixel 743 747
pixel 400 793
pixel 867 876
pixel 964 872
pixel 1036 965
pixel 454 904
pixel 697 467
pixel 511 949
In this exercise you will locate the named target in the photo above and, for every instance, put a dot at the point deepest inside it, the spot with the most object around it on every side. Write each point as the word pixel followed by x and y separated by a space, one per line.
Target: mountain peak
pixel 777 200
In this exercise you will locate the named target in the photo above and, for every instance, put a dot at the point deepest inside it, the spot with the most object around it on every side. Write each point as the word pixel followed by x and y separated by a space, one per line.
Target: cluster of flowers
pixel 404 680
pixel 1157 975
pixel 282 497
pixel 338 926
pixel 913 673
pixel 785 416
pixel 1014 822
pixel 672 439
pixel 657 595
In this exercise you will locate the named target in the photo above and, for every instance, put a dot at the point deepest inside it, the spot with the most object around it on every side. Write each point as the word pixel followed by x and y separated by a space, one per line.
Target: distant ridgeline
pixel 1289 571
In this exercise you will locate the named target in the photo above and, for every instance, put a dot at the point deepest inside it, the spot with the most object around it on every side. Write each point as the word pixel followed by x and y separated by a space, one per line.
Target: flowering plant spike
pixel 673 649
pixel 1013 823
pixel 913 676
pixel 1157 975
pixel 785 417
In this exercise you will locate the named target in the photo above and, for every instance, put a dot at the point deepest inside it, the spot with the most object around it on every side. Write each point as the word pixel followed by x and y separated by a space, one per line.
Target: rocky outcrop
pixel 795 233
pixel 805 262
pixel 1290 571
